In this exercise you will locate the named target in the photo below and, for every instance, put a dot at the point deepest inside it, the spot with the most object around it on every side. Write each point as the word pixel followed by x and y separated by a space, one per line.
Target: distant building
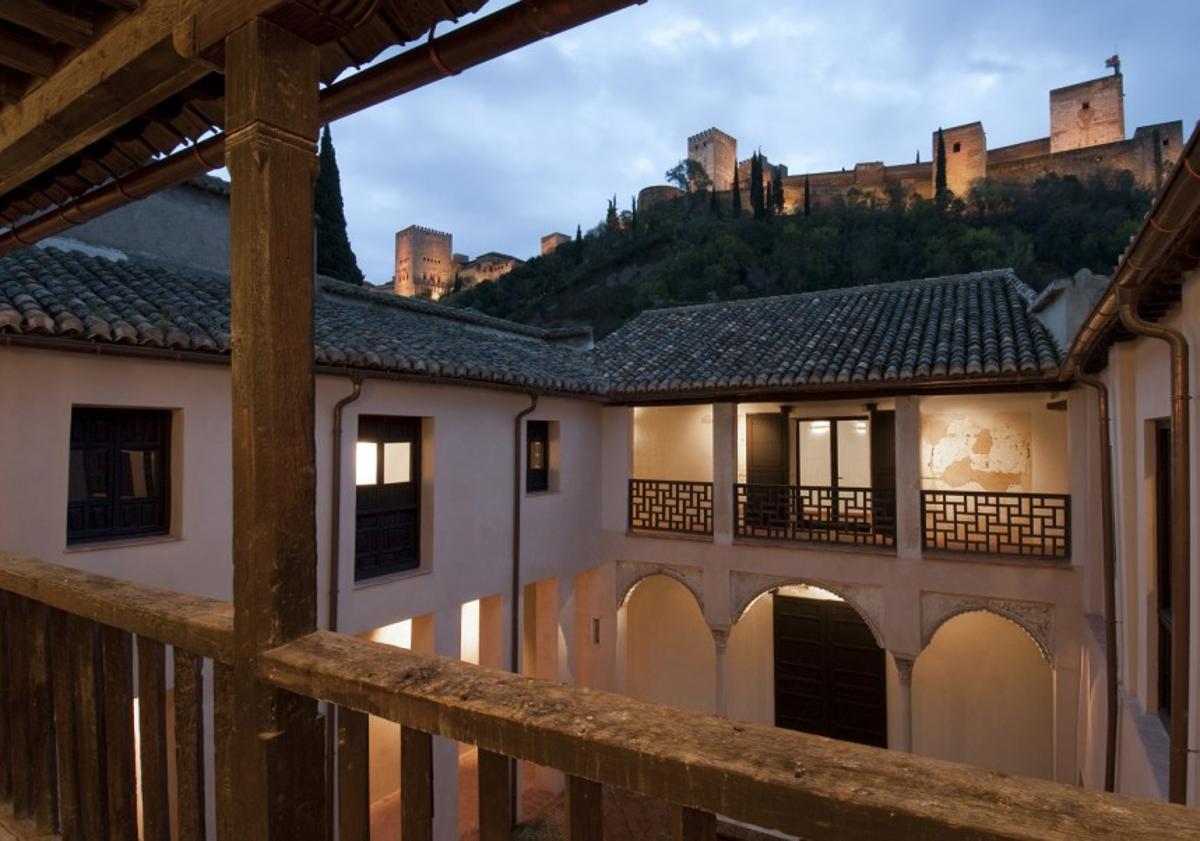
pixel 424 263
pixel 551 242
pixel 486 267
pixel 716 151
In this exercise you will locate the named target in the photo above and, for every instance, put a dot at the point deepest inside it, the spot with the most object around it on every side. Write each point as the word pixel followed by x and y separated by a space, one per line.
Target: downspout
pixel 1127 297
pixel 1109 553
pixel 335 533
pixel 515 608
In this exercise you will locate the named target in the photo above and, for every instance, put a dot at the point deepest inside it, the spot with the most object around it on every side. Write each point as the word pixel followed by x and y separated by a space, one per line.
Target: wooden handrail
pixel 200 625
pixel 778 779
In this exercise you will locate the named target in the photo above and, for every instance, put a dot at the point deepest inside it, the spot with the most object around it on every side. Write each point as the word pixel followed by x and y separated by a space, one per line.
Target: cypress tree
pixel 770 200
pixel 611 220
pixel 939 171
pixel 579 243
pixel 807 197
pixel 335 257
pixel 737 195
pixel 633 215
pixel 756 187
pixel 777 189
pixel 713 207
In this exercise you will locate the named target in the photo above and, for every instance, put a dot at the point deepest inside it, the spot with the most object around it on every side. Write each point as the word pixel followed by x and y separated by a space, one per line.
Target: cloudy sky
pixel 538 141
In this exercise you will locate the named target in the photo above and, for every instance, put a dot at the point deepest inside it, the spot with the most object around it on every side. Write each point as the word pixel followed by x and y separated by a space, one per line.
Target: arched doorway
pixel 983 694
pixel 829 670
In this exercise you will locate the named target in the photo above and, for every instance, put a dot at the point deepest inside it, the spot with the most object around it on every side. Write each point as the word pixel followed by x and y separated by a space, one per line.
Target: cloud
pixel 539 140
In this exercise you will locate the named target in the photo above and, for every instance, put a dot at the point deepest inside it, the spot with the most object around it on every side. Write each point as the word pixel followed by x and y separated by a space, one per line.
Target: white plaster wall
pixel 750 654
pixel 673 442
pixel 982 694
pixel 671 654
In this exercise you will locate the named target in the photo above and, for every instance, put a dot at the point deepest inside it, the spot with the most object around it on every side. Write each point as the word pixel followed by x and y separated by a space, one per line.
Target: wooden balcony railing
pixel 666 505
pixel 1025 525
pixel 67 660
pixel 816 514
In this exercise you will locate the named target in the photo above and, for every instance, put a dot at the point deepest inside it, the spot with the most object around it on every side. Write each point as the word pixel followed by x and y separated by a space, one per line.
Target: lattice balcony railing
pixel 1027 525
pixel 666 505
pixel 816 514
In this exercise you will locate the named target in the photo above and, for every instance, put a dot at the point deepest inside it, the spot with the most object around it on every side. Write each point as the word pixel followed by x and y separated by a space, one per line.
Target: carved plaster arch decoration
pixel 867 601
pixel 630 574
pixel 1036 619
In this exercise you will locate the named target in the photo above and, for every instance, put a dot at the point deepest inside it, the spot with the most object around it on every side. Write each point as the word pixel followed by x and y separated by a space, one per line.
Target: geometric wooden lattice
pixel 813 513
pixel 978 522
pixel 665 505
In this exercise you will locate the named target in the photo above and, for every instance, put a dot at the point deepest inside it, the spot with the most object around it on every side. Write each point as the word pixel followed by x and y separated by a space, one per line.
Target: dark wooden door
pixel 766 449
pixel 883 450
pixel 829 672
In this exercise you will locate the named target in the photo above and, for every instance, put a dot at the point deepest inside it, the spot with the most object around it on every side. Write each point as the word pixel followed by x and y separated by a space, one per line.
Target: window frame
pixel 158 506
pixel 1163 504
pixel 537 480
pixel 376 502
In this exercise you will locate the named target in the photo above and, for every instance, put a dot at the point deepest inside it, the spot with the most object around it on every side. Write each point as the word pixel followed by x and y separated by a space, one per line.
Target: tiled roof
pixel 68 294
pixel 971 327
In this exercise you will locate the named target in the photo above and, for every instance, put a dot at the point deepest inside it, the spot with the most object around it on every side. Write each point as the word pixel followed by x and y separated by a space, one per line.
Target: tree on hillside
pixel 633 220
pixel 714 206
pixel 939 169
pixel 689 175
pixel 737 195
pixel 757 204
pixel 611 220
pixel 335 257
pixel 777 189
pixel 807 197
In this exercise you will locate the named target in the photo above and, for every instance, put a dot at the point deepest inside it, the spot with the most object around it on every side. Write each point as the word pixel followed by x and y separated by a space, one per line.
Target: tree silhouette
pixel 335 257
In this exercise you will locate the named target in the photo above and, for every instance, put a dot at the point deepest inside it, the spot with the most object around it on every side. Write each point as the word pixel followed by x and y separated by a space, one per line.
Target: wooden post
pixel 271 136
pixel 585 810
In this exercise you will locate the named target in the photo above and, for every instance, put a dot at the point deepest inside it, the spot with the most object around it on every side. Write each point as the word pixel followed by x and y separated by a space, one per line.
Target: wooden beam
pixel 40 17
pixel 18 54
pixel 126 71
pixel 123 5
pixel 271 118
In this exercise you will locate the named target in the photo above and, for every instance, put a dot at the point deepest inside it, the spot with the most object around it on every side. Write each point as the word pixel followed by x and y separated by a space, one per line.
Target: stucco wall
pixel 983 694
pixel 671 654
pixel 751 664
pixel 673 442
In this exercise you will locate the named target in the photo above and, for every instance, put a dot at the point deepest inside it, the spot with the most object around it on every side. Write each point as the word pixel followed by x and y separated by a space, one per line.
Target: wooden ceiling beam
pixel 126 71
pixel 40 17
pixel 18 54
pixel 123 5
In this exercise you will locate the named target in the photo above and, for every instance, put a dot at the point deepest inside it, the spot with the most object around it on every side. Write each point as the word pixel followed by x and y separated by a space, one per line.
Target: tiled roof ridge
pixel 462 314
pixel 1006 274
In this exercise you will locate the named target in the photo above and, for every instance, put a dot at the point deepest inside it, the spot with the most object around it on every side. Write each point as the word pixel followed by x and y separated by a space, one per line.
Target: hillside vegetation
pixel 685 252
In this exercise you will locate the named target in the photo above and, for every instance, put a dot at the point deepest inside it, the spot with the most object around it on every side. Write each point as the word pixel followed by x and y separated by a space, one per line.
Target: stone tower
pixel 1087 114
pixel 424 262
pixel 966 157
pixel 716 151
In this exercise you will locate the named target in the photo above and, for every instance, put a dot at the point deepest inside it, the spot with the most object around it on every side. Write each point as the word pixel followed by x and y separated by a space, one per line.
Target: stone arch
pixel 630 574
pixel 1036 619
pixel 866 601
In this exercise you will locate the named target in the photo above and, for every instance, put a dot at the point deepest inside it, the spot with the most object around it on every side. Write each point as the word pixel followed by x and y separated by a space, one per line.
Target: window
pixel 537 456
pixel 387 478
pixel 957 147
pixel 1162 553
pixel 118 478
pixel 1086 106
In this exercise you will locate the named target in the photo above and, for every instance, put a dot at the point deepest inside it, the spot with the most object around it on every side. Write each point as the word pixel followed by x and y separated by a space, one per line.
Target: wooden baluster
pixel 189 746
pixel 41 722
pixel 152 723
pixel 63 687
pixel 117 651
pixel 495 796
pixel 354 797
pixel 18 701
pixel 693 825
pixel 6 692
pixel 89 728
pixel 222 748
pixel 416 785
pixel 585 810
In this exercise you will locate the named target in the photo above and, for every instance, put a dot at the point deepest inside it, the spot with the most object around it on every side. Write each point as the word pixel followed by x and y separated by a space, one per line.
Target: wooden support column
pixel 725 469
pixel 271 129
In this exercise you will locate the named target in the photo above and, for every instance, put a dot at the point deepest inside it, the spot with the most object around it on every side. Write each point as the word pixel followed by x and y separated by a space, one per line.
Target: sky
pixel 540 140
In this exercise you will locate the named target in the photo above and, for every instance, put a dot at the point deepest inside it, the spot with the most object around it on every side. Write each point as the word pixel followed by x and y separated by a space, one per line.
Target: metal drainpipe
pixel 1109 552
pixel 515 608
pixel 1180 536
pixel 335 532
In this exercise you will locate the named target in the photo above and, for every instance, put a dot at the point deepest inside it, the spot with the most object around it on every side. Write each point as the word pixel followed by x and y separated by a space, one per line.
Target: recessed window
pixel 537 456
pixel 957 147
pixel 118 485
pixel 387 476
pixel 1086 106
pixel 1166 141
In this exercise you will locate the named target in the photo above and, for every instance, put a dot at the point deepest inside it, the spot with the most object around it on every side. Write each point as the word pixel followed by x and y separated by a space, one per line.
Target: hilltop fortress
pixel 1087 132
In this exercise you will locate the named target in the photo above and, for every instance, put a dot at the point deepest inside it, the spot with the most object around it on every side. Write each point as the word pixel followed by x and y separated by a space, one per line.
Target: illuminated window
pixel 537 456
pixel 387 473
pixel 118 478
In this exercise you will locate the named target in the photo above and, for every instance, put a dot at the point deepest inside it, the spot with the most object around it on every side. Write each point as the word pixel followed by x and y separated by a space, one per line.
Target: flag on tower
pixel 1114 62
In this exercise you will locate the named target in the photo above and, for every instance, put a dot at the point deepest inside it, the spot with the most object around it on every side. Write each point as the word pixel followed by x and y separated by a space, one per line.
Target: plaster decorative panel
pixel 629 573
pixel 745 587
pixel 1035 618
pixel 986 451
